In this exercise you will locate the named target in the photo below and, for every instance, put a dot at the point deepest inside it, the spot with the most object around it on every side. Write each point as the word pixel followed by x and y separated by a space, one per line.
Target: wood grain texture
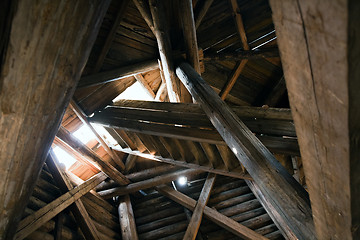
pixel 48 47
pixel 127 220
pixel 317 45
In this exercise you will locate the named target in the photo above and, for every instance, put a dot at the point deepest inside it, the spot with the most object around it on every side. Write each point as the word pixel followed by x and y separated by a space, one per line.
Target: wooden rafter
pixel 196 217
pixel 213 215
pixel 81 215
pixel 36 220
pixel 127 220
pixel 200 14
pixel 140 78
pixel 325 105
pixel 144 10
pixel 274 182
pixel 81 115
pixel 33 85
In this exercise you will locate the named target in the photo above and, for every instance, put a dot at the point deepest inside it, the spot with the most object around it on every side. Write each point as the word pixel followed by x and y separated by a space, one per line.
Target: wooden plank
pixel 162 37
pixel 41 65
pixel 196 217
pixel 117 74
pixel 275 182
pixel 325 105
pixel 81 115
pixel 213 215
pixel 106 167
pixel 149 183
pixel 139 77
pixel 241 55
pixel 63 182
pixel 110 37
pixel 127 220
pixel 36 220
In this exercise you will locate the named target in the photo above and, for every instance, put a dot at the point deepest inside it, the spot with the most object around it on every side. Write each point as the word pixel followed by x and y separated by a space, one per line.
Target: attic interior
pixel 181 119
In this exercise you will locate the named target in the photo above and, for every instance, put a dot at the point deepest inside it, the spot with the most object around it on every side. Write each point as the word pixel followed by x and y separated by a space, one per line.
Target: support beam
pixel 127 220
pixel 78 209
pixel 36 220
pixel 111 35
pixel 163 40
pixel 213 215
pixel 130 162
pixel 144 10
pixel 81 115
pixel 42 60
pixel 196 217
pixel 232 80
pixel 148 183
pixel 139 77
pixel 117 74
pixel 319 44
pixel 199 15
pixel 106 167
pixel 290 200
pixel 247 54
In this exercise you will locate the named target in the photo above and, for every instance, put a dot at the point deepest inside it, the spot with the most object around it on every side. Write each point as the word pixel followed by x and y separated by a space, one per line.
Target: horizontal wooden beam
pixel 117 74
pixel 36 220
pixel 149 183
pixel 213 215
pixel 106 167
pixel 290 200
pixel 241 55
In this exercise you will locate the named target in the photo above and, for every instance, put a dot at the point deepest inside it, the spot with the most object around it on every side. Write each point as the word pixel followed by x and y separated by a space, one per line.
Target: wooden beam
pixel 127 220
pixel 325 105
pixel 188 25
pixel 210 169
pixel 144 10
pixel 63 182
pixel 81 115
pixel 196 217
pixel 274 181
pixel 139 77
pixel 41 65
pixel 106 167
pixel 36 220
pixel 232 80
pixel 117 74
pixel 110 36
pixel 239 24
pixel 241 55
pixel 148 183
pixel 199 15
pixel 163 40
pixel 213 215
pixel 130 162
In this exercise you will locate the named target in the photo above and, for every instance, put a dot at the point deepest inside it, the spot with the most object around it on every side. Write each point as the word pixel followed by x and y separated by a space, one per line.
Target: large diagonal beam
pixel 319 46
pixel 288 198
pixel 64 183
pixel 37 219
pixel 48 44
pixel 213 215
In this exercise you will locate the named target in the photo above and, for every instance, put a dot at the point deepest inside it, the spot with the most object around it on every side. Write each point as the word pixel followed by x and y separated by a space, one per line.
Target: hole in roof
pixel 134 92
pixel 84 134
pixel 64 157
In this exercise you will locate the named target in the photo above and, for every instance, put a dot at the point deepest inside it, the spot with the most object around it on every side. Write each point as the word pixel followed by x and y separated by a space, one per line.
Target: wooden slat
pixel 41 65
pixel 36 220
pixel 196 217
pixel 81 215
pixel 213 215
pixel 273 180
pixel 117 74
pixel 134 187
pixel 325 105
pixel 127 220
pixel 162 36
pixel 106 167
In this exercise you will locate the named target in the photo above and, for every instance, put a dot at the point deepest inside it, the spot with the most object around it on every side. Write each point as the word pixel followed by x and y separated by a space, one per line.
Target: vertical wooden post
pixel 127 221
pixel 48 46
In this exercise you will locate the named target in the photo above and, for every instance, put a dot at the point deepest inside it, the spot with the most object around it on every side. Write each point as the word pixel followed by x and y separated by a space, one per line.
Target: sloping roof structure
pixel 200 119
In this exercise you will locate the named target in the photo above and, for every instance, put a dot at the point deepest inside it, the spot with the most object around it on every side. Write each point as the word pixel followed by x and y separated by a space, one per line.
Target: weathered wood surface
pixel 318 42
pixel 213 215
pixel 106 167
pixel 40 68
pixel 127 220
pixel 140 78
pixel 36 220
pixel 288 197
pixel 64 183
pixel 195 221
pixel 117 74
